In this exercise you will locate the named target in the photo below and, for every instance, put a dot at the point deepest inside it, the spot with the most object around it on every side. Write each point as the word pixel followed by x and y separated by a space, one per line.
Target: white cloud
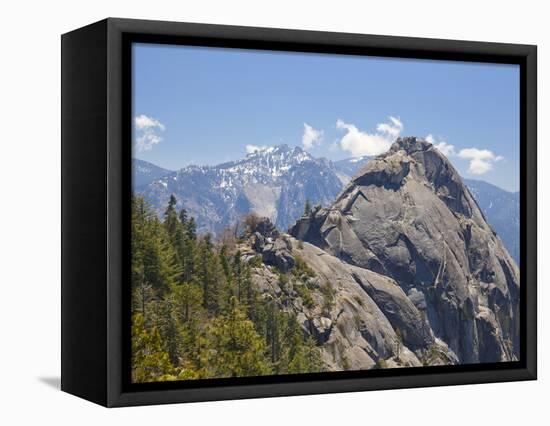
pixel 147 140
pixel 143 122
pixel 481 160
pixel 251 149
pixel 360 143
pixel 445 148
pixel 147 132
pixel 392 129
pixel 311 136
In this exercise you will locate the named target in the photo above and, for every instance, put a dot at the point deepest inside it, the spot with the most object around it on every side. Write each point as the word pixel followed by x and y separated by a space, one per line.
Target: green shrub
pixel 283 279
pixel 256 262
pixel 305 293
pixel 381 363
pixel 301 269
pixel 328 297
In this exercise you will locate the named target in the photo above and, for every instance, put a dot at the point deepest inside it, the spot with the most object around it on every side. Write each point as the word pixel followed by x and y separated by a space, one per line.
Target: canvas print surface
pixel 304 213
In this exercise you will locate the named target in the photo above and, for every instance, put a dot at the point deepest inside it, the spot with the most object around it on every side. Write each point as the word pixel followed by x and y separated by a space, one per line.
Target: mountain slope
pixel 274 182
pixel 264 182
pixel 349 166
pixel 356 316
pixel 501 209
pixel 407 215
pixel 143 172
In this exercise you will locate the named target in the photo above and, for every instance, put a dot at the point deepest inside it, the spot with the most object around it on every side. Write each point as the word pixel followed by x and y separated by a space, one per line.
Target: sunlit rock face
pixel 408 216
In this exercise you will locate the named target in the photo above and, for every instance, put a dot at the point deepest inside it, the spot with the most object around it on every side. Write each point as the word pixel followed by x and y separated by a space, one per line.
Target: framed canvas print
pixel 252 212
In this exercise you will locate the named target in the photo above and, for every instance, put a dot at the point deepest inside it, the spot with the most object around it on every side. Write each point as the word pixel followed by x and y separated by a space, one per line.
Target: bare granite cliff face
pixel 410 258
pixel 360 319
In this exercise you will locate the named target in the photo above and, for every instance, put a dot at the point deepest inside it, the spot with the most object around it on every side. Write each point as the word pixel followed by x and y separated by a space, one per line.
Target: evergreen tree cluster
pixel 195 311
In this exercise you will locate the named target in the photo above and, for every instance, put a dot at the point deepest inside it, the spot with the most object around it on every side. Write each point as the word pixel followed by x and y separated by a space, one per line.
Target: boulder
pixel 278 254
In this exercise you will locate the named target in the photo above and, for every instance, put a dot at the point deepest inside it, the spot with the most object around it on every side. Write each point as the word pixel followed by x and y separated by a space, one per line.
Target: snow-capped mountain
pixel 144 172
pixel 274 182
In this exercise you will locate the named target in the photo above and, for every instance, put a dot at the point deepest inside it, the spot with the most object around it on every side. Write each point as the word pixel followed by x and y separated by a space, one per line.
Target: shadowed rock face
pixel 408 216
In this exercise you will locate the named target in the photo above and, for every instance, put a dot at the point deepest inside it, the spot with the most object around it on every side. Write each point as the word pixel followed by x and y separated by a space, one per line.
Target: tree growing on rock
pixel 307 207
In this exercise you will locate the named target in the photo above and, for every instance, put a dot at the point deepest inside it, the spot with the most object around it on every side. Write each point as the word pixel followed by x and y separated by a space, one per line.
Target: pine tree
pixel 171 205
pixel 225 263
pixel 171 218
pixel 149 362
pixel 237 273
pixel 142 297
pixel 293 337
pixel 237 350
pixel 154 262
pixel 183 217
pixel 160 262
pixel 227 281
pixel 307 207
pixel 141 289
pixel 194 349
pixel 210 276
pixel 168 327
pixel 273 332
pixel 204 276
pixel 307 359
pixel 187 301
pixel 196 312
pixel 191 229
pixel 249 295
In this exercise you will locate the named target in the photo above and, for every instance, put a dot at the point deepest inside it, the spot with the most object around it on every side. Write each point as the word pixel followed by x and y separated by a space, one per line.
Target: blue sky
pixel 197 105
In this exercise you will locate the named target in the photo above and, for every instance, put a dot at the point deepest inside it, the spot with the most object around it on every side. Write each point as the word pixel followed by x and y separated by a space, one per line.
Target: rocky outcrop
pixel 278 254
pixel 265 240
pixel 276 182
pixel 359 318
pixel 410 235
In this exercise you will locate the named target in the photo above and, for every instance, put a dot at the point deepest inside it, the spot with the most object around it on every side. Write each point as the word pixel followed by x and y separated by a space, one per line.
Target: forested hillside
pixel 402 270
pixel 195 311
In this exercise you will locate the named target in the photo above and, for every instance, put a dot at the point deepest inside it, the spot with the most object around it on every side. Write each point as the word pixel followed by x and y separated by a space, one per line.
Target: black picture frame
pixel 96 184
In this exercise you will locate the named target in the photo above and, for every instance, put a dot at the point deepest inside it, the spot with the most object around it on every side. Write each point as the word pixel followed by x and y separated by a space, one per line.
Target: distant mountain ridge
pixel 276 182
pixel 501 209
pixel 348 167
pixel 144 172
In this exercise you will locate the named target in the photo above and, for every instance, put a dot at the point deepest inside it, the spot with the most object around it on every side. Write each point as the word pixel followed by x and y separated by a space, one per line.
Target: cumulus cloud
pixel 251 149
pixel 311 136
pixel 445 148
pixel 360 143
pixel 392 129
pixel 147 129
pixel 143 122
pixel 481 160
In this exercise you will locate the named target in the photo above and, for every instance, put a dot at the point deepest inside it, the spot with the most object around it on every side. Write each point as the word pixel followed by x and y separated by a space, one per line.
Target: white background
pixel 30 211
